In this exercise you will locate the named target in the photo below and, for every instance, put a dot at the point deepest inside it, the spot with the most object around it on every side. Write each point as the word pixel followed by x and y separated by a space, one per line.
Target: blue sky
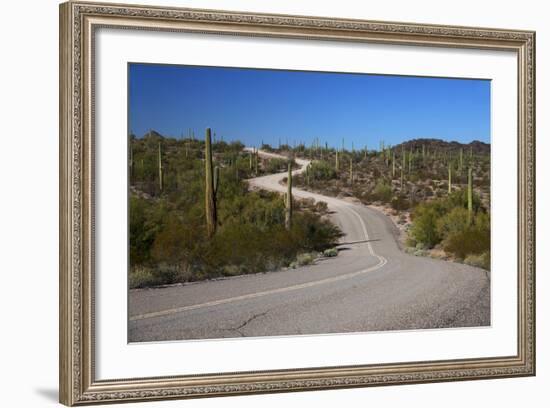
pixel 252 105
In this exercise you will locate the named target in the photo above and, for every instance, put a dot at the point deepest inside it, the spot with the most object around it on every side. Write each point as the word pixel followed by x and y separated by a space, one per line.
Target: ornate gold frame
pixel 78 22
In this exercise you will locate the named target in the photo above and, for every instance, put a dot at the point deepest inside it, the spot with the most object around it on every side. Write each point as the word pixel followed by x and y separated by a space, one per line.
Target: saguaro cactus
pixel 470 196
pixel 351 170
pixel 210 197
pixel 216 181
pixel 288 199
pixel 393 165
pixel 161 180
pixel 337 165
pixel 403 161
pixel 450 180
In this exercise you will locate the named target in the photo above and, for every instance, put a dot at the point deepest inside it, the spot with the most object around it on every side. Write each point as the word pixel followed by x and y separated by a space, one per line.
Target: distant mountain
pixel 153 134
pixel 431 144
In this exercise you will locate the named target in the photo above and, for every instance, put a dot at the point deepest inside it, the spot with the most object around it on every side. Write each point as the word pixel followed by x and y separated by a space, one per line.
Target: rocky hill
pixel 478 148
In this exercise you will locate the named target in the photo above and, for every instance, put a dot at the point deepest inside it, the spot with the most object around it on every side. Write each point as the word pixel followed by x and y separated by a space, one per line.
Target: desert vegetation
pixel 438 192
pixel 193 217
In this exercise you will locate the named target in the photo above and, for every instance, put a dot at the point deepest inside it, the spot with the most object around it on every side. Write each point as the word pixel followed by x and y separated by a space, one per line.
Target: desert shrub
pixel 446 219
pixel 331 252
pixel 400 203
pixel 276 165
pixel 141 278
pixel 305 259
pixel 472 239
pixel 311 232
pixel 321 207
pixel 454 221
pixel 424 228
pixel 459 198
pixel 322 170
pixel 162 274
pixel 482 260
pixel 382 192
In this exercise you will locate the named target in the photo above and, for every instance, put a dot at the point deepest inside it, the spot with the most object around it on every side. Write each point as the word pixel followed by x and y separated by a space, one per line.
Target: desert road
pixel 370 286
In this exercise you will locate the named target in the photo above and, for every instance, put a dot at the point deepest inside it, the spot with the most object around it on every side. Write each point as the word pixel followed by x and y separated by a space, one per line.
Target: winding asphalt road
pixel 370 286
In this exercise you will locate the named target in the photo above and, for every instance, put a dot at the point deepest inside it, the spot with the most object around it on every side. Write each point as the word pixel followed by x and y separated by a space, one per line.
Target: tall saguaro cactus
pixel 210 196
pixel 161 179
pixel 288 199
pixel 470 196
pixel 351 170
pixel 216 181
pixel 450 180
pixel 337 165
pixel 403 161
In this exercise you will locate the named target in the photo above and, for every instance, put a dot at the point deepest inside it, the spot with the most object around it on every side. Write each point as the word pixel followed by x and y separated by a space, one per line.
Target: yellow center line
pixel 381 263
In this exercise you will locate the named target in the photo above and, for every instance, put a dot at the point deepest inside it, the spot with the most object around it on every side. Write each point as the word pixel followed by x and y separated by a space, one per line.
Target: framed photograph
pixel 256 203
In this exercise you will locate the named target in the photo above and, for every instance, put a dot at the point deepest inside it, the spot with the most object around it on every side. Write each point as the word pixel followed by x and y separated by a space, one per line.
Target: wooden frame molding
pixel 78 22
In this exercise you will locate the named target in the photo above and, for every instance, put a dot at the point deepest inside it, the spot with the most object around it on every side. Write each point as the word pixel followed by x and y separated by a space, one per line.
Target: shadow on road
pixel 359 242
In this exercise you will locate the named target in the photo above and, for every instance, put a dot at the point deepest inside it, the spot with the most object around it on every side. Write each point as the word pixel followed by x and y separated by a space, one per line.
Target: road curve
pixel 370 286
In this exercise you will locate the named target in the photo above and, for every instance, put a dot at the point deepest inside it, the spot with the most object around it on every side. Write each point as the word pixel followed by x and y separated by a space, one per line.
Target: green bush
pixel 482 260
pixel 424 227
pixel 331 252
pixel 446 221
pixel 454 221
pixel 382 192
pixel 141 277
pixel 400 203
pixel 321 170
pixel 277 165
pixel 305 259
pixel 473 239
